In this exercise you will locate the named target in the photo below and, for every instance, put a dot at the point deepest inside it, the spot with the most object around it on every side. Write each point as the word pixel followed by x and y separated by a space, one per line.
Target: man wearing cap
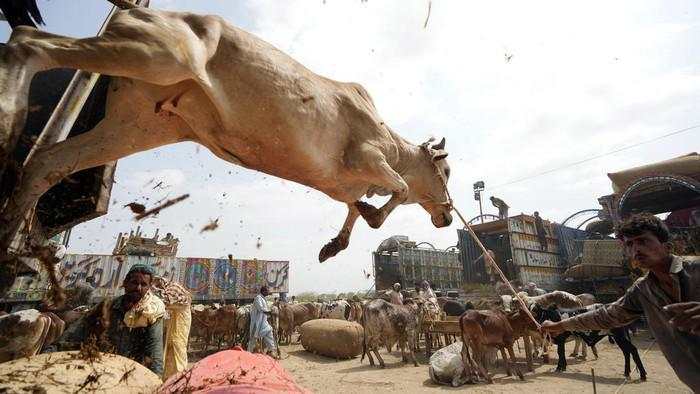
pixel 135 322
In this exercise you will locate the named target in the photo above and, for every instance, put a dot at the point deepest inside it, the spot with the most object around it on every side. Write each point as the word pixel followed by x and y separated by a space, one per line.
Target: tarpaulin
pixel 233 371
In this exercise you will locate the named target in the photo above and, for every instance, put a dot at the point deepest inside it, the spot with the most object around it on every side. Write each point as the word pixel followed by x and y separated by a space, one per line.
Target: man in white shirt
pixel 259 326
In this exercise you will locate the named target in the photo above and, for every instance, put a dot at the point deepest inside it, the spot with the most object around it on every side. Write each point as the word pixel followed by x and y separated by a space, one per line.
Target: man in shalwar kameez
pixel 260 328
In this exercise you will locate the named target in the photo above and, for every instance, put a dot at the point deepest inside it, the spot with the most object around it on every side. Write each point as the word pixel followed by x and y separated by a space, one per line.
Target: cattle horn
pixel 440 145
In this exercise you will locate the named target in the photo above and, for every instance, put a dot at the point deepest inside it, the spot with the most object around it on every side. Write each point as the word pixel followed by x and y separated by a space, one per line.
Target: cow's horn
pixel 440 145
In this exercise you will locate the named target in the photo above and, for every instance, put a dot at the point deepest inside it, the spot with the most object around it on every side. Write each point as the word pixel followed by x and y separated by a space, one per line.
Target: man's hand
pixel 686 316
pixel 551 328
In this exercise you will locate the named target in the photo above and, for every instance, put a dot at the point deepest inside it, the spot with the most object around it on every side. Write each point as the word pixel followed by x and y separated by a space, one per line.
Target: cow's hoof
pixel 520 375
pixel 643 378
pixel 372 215
pixel 329 250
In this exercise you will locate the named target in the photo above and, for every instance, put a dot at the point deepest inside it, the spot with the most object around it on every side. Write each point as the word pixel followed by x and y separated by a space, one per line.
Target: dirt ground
pixel 323 375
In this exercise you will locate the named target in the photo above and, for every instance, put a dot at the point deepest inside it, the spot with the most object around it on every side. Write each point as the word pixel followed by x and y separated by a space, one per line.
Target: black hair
pixel 139 270
pixel 639 223
pixel 263 288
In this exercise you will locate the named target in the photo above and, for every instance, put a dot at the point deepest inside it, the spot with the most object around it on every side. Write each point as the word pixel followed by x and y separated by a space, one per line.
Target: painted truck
pixel 209 279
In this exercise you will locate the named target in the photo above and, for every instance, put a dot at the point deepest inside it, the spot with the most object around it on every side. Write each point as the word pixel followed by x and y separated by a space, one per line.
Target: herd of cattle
pixel 386 325
pixel 228 324
pixel 498 325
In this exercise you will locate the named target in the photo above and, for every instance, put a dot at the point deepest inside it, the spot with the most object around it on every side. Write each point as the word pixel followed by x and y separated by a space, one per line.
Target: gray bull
pixel 187 77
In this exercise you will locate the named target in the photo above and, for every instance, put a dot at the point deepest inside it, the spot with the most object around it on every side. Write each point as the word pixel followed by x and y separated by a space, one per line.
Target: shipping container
pixel 519 253
pixel 399 260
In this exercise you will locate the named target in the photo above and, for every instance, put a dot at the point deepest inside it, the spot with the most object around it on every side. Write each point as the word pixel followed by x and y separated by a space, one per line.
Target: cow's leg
pixel 479 355
pixel 577 342
pixel 379 357
pixel 376 169
pixel 412 352
pixel 467 371
pixel 511 353
pixel 584 348
pixel 528 352
pixel 341 241
pixel 505 360
pixel 626 355
pixel 637 360
pixel 561 353
pixel 129 127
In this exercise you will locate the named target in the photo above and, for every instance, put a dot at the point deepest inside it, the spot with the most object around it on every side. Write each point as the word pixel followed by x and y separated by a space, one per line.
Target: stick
pixel 156 210
pixel 593 378
pixel 430 4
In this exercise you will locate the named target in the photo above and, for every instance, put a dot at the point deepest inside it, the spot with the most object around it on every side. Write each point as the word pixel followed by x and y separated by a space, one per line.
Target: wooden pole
pixel 593 379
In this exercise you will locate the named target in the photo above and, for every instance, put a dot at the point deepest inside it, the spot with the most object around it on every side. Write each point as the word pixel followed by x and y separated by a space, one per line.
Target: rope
pixel 636 367
pixel 487 256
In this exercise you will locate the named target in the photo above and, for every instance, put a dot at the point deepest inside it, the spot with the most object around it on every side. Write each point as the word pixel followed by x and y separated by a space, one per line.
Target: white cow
pixel 340 309
pixel 187 77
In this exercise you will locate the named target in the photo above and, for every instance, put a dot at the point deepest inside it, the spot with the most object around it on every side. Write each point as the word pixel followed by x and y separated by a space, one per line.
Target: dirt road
pixel 323 375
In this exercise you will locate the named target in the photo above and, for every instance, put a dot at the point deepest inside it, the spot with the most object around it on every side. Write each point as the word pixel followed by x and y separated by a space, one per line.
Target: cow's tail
pixel 364 337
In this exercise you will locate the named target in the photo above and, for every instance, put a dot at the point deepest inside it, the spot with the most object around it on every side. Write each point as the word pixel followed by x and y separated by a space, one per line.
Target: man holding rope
pixel 668 295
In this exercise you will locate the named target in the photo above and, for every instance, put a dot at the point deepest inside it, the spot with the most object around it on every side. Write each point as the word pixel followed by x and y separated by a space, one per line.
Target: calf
pixel 621 337
pixel 294 315
pixel 388 324
pixel 223 325
pixel 553 314
pixel 486 328
pixel 456 308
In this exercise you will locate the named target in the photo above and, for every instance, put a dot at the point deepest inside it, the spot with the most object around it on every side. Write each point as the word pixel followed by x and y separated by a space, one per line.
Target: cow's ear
pixel 440 156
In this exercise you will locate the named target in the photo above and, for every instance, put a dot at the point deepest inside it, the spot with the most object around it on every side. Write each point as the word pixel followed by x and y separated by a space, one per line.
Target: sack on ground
pixel 446 365
pixel 332 338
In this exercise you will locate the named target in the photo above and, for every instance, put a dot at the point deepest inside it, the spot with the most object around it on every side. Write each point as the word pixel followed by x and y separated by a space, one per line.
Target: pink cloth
pixel 233 371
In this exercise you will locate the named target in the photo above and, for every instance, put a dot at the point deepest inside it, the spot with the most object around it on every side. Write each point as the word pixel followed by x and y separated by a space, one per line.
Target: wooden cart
pixel 448 326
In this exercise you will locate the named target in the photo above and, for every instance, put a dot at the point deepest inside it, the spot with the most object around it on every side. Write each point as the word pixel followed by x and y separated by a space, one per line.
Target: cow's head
pixel 426 179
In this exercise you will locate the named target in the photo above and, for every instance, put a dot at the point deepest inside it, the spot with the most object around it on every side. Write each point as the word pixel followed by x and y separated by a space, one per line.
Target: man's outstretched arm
pixel 619 313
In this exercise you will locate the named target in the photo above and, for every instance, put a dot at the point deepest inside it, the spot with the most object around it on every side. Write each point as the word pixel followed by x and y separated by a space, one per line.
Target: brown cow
pixel 295 315
pixel 224 328
pixel 388 324
pixel 486 328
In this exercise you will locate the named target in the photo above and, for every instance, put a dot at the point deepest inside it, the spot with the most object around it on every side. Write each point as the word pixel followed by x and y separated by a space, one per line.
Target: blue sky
pixel 584 78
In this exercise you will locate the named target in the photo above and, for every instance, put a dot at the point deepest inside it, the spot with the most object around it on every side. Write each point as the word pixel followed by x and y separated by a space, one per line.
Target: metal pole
pixel 481 210
pixel 66 112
